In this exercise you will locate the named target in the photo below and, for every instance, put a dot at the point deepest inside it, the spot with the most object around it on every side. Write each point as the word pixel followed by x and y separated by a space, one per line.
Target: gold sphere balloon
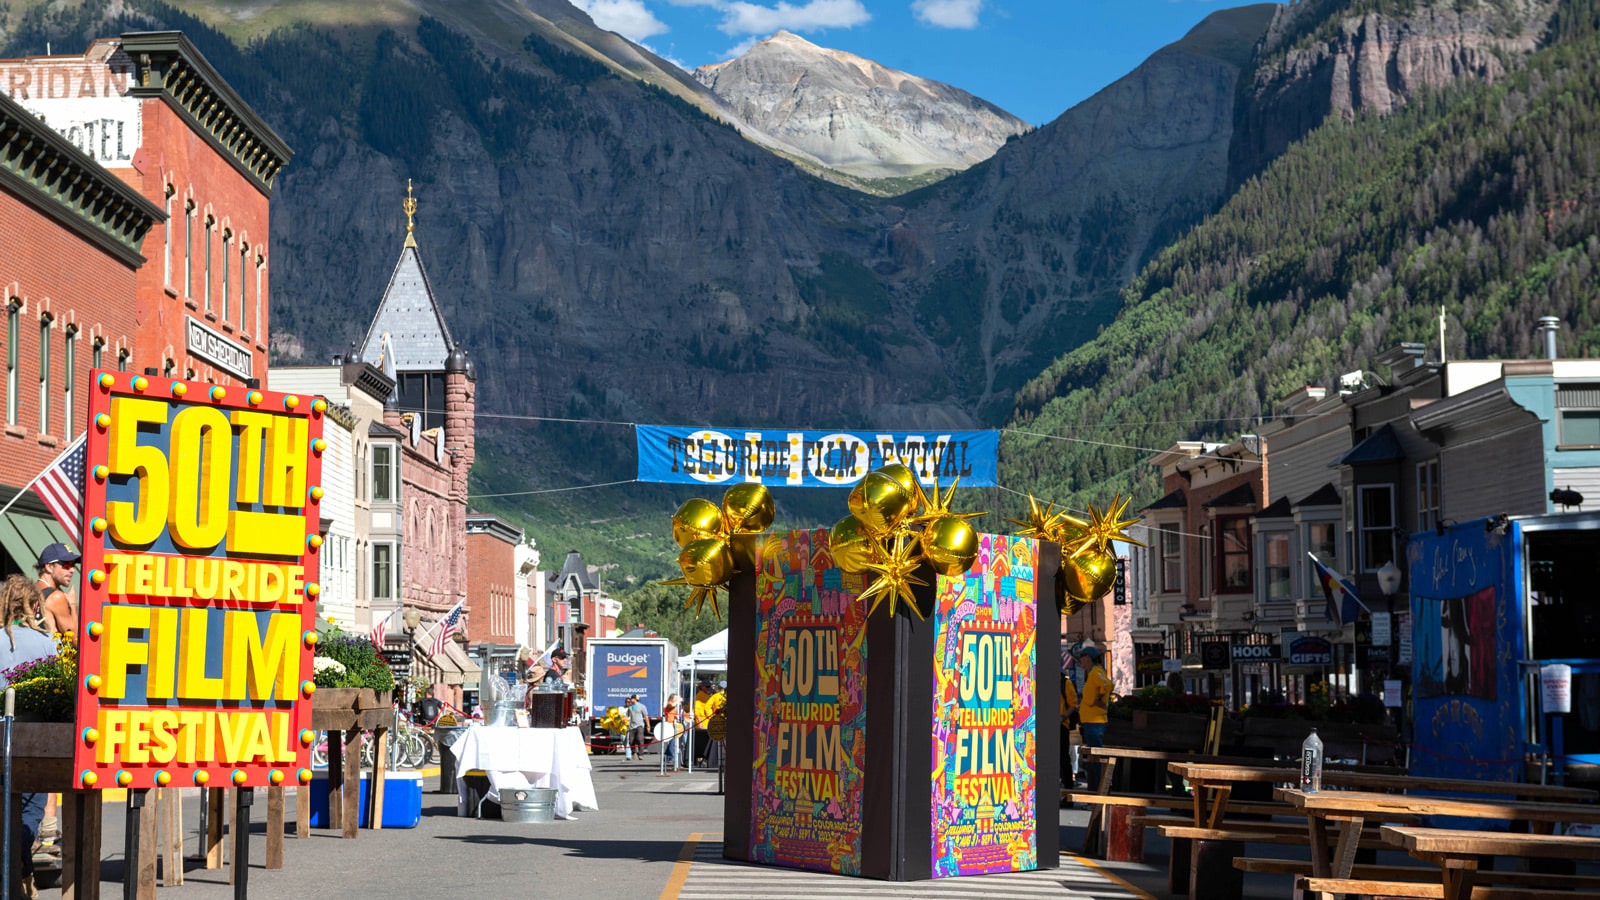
pixel 950 544
pixel 880 503
pixel 695 520
pixel 1087 577
pixel 706 562
pixel 904 477
pixel 851 545
pixel 749 507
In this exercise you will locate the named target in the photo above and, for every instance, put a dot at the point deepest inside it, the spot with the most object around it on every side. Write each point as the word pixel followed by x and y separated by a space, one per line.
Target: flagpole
pixel 48 466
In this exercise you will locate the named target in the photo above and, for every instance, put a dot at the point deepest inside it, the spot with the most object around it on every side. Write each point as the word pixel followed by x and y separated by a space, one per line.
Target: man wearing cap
pixel 57 613
pixel 1095 705
pixel 558 666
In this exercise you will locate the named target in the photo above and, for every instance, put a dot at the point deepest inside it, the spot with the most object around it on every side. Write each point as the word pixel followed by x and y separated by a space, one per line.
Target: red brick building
pixel 492 590
pixel 149 108
pixel 72 238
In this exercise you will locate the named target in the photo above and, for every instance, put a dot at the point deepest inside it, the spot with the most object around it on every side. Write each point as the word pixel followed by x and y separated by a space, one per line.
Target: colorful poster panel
pixel 984 729
pixel 1466 640
pixel 201 512
pixel 810 710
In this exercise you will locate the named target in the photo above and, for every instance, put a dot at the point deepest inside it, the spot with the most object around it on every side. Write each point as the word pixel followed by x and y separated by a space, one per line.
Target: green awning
pixel 24 537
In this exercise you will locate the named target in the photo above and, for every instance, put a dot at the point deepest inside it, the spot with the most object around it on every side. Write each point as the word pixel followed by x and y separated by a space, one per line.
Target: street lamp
pixel 1389 582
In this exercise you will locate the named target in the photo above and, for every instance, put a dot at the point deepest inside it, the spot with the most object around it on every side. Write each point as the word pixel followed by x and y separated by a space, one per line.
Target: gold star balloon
pixel 1101 530
pixel 896 574
pixel 894 527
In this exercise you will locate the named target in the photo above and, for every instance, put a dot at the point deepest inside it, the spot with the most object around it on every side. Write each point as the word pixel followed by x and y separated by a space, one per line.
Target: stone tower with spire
pixel 433 405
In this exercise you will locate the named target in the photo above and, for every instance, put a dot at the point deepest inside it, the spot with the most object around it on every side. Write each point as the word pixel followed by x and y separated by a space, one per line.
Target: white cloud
pixel 740 17
pixel 629 18
pixel 948 13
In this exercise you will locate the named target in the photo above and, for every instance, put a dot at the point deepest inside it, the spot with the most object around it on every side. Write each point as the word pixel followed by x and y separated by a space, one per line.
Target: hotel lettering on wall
pixel 85 102
pixel 218 349
pixel 200 565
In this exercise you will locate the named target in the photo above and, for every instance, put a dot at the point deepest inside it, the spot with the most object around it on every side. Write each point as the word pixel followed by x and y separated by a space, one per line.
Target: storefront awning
pixel 24 537
pixel 449 667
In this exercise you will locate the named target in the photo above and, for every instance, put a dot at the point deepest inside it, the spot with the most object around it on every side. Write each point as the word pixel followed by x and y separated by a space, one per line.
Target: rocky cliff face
pixel 854 115
pixel 608 251
pixel 1317 60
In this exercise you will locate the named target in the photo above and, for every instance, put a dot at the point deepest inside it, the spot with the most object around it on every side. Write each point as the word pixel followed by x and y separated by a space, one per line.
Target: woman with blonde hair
pixel 19 597
pixel 24 642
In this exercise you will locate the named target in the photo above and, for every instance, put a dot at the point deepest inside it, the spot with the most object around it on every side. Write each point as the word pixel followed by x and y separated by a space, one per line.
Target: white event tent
pixel 709 655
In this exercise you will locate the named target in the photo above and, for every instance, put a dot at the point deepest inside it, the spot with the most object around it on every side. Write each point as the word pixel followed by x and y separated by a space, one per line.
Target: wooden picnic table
pixel 1349 812
pixel 1213 783
pixel 1456 852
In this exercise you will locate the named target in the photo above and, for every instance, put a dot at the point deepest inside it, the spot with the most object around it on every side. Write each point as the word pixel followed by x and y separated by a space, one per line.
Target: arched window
pixel 227 237
pixel 13 336
pixel 188 249
pixel 211 224
pixel 44 373
pixel 70 364
pixel 166 250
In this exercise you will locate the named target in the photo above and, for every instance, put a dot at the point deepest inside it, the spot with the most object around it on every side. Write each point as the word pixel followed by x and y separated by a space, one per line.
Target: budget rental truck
pixel 622 667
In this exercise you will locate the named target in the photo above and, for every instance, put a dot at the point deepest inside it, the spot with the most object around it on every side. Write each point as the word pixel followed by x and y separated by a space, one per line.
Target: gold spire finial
pixel 410 206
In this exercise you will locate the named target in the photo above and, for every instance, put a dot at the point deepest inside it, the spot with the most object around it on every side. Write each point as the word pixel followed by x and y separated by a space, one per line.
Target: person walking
pixel 23 642
pixel 670 714
pixel 1096 705
pixel 638 725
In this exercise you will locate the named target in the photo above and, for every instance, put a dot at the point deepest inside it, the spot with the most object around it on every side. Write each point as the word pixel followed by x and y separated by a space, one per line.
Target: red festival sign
pixel 201 512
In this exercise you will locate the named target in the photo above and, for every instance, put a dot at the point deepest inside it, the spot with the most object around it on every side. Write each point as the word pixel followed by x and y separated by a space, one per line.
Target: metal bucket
pixel 530 806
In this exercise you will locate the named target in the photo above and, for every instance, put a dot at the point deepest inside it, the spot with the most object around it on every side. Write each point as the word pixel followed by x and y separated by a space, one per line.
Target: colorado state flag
pixel 1344 600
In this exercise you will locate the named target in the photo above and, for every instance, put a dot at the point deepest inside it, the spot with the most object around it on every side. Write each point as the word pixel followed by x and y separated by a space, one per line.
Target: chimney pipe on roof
pixel 1548 326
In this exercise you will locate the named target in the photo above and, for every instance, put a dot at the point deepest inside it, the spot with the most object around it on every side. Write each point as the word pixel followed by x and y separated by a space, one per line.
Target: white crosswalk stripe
pixel 713 878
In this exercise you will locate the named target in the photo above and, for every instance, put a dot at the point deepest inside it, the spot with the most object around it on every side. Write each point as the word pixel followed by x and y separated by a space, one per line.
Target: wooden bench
pixel 1391 873
pixel 1201 863
pixel 1424 889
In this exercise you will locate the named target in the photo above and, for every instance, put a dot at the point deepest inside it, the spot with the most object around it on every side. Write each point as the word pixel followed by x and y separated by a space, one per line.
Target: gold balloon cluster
pixel 704 531
pixel 893 526
pixel 1089 563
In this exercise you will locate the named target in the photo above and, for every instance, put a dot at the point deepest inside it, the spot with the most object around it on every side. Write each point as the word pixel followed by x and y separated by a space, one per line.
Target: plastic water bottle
pixel 1311 763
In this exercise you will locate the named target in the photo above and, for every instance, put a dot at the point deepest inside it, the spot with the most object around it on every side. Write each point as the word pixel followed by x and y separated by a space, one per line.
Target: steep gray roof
pixel 410 315
pixel 588 578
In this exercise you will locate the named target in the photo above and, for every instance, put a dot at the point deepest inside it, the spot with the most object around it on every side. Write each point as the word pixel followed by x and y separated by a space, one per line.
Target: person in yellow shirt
pixel 1069 721
pixel 702 715
pixel 1092 712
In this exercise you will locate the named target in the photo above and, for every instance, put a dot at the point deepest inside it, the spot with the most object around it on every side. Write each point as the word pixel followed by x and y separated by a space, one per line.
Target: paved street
pixel 654 837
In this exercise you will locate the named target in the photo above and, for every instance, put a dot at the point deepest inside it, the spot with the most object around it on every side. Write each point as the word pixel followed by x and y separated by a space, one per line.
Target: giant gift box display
pixel 893 746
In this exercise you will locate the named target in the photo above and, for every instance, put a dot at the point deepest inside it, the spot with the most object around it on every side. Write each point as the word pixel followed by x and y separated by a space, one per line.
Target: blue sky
pixel 1034 58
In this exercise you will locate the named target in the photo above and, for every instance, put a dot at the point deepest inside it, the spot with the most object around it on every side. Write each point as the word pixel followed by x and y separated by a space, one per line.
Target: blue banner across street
pixel 782 458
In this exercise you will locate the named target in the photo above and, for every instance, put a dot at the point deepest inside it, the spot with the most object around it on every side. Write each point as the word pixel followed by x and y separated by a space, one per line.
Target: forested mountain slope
pixel 1481 199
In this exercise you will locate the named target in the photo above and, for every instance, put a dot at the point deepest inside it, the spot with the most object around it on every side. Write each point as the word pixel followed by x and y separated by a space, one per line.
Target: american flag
pixel 377 633
pixel 61 487
pixel 448 626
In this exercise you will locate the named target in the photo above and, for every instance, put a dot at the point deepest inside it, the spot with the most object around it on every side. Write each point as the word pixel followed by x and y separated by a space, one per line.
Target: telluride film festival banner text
pixel 200 545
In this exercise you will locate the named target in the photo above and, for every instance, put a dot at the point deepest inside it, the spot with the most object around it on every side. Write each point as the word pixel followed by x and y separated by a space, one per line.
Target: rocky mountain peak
pixel 854 115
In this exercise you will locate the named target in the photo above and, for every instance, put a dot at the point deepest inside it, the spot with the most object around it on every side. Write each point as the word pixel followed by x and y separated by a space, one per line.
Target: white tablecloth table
pixel 546 757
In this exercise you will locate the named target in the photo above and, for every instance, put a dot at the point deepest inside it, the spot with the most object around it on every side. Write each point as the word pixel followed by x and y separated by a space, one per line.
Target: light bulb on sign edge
pixel 253 398
pixel 140 383
pixel 179 389
pixel 106 381
pixel 291 401
pixel 163 778
pixel 201 777
pixel 88 778
pixel 218 393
